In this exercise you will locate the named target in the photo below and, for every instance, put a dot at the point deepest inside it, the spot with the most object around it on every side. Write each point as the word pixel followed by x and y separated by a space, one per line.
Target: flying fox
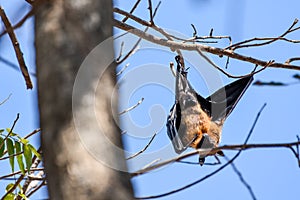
pixel 195 121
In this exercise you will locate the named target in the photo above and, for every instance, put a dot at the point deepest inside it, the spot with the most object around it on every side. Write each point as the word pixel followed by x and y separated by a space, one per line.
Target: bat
pixel 195 121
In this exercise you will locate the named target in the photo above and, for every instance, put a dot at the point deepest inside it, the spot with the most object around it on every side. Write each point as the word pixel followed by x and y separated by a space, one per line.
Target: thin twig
pixel 17 49
pixel 151 163
pixel 135 46
pixel 239 174
pixel 195 31
pixel 20 172
pixel 37 188
pixel 5 100
pixel 150 12
pixel 156 8
pixel 131 11
pixel 11 129
pixel 121 51
pixel 212 173
pixel 122 70
pixel 131 52
pixel 21 22
pixel 144 149
pixel 197 163
pixel 14 66
pixel 12 155
pixel 227 63
pixel 196 38
pixel 270 40
pixel 32 133
pixel 226 73
pixel 132 107
pixel 297 147
pixel 292 60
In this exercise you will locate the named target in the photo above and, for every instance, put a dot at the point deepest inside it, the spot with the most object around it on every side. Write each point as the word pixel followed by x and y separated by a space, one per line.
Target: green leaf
pixel 1 131
pixel 20 157
pixel 28 156
pixel 34 151
pixel 9 196
pixel 24 141
pixel 2 147
pixel 9 186
pixel 11 152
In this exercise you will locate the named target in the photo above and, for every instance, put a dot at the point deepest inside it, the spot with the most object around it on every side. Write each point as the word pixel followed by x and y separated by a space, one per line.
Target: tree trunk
pixel 80 138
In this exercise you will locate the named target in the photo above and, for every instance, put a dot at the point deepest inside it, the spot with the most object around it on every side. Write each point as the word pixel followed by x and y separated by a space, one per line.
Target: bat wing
pixel 173 123
pixel 221 103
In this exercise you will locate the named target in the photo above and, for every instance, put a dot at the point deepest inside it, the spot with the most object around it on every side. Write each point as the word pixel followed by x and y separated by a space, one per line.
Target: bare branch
pixel 214 172
pixel 5 100
pixel 131 52
pixel 135 47
pixel 144 149
pixel 19 172
pixel 11 129
pixel 132 107
pixel 150 12
pixel 43 183
pixel 32 133
pixel 12 155
pixel 292 60
pixel 151 163
pixel 122 70
pixel 17 49
pixel 21 22
pixel 194 47
pixel 132 10
pixel 244 44
pixel 126 14
pixel 215 150
pixel 249 188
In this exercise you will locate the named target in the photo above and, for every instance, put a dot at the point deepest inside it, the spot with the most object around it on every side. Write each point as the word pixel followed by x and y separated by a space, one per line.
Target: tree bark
pixel 79 162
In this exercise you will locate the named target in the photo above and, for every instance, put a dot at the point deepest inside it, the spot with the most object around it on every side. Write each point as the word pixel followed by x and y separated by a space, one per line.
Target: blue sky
pixel 272 173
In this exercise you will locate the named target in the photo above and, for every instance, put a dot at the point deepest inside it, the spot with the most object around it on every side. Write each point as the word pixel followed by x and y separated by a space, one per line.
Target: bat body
pixel 197 122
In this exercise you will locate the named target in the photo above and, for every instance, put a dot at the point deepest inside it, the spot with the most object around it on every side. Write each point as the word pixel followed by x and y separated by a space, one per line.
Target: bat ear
pixel 221 103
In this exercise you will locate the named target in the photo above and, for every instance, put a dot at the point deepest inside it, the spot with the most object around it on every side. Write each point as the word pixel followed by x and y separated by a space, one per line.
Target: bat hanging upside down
pixel 197 122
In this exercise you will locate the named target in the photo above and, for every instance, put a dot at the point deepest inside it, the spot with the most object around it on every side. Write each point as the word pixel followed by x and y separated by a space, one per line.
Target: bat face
pixel 197 122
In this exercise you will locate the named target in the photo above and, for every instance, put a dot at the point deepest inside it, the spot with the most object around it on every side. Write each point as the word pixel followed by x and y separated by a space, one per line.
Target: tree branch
pixel 214 172
pixel 144 149
pixel 17 48
pixel 173 45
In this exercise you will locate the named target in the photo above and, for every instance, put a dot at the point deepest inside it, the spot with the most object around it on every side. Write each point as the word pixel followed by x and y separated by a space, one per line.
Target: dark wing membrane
pixel 173 123
pixel 221 103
